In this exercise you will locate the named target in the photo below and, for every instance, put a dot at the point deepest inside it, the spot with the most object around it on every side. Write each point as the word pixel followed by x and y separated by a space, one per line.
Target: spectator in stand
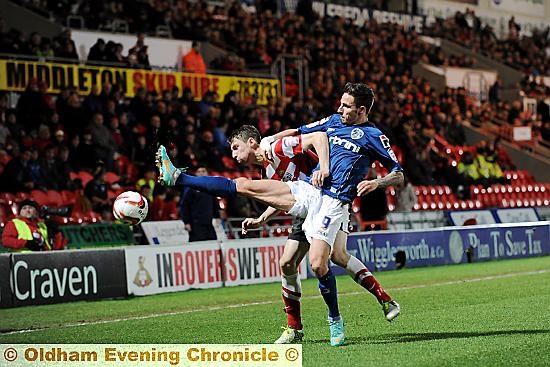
pixel 4 133
pixel 454 132
pixel 16 176
pixel 72 115
pixel 97 52
pixel 17 130
pixel 114 53
pixel 48 164
pixel 207 102
pixel 97 191
pixel 140 50
pixel 172 131
pixel 35 171
pixel 495 172
pixel 106 146
pixel 468 175
pixel 58 139
pixel 192 61
pixel 405 198
pixel 65 46
pixel 138 106
pixel 64 168
pixel 149 179
pixel 142 155
pixel 199 222
pixel 28 232
pixel 85 152
pixel 170 210
pixel 212 153
pixel 43 139
pixel 487 166
pixel 45 51
pixel 156 207
pixel 188 99
pixel 495 91
pixel 93 103
pixel 502 156
pixel 31 107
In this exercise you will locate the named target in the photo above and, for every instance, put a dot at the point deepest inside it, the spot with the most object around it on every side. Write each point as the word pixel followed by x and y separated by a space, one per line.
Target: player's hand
pixel 318 177
pixel 265 144
pixel 251 223
pixel 366 186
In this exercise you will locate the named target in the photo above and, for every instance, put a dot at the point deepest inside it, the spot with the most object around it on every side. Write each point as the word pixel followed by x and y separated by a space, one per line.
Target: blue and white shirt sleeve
pixel 321 125
pixel 383 152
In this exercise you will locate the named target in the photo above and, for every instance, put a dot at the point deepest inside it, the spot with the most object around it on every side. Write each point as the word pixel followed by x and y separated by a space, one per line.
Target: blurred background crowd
pixel 46 140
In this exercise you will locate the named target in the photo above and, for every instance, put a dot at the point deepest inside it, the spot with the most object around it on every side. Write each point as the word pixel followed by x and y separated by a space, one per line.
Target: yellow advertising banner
pixel 15 75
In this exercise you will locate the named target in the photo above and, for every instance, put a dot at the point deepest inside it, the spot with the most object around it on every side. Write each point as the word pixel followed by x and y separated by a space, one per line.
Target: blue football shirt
pixel 353 148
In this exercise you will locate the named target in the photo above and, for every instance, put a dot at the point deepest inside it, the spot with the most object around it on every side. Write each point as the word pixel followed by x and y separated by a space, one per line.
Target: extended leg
pixel 271 192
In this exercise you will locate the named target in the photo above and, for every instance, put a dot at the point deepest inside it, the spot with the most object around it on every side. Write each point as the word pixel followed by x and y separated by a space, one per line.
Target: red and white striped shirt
pixel 290 162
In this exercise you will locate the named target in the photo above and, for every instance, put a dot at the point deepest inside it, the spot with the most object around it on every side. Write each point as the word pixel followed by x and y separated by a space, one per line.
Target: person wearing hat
pixel 28 232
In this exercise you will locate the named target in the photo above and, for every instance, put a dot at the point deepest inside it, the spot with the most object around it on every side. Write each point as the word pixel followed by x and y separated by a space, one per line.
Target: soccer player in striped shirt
pixel 285 159
pixel 354 144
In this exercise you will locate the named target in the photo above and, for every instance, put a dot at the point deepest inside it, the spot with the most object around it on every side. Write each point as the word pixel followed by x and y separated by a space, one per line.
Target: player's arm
pixel 320 125
pixel 391 179
pixel 250 223
pixel 319 141
pixel 380 146
pixel 266 142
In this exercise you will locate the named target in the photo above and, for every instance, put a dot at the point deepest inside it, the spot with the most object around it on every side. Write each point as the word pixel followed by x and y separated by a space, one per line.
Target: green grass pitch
pixel 482 314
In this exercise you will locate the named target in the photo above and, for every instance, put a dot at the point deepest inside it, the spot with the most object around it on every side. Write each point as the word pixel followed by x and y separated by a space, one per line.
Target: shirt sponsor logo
pixel 344 143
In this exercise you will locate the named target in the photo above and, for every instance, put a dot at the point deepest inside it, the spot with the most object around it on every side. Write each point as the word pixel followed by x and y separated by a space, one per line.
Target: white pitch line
pixel 217 308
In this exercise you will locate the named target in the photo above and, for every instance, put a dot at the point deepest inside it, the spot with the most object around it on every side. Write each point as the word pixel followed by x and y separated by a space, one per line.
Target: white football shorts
pixel 324 215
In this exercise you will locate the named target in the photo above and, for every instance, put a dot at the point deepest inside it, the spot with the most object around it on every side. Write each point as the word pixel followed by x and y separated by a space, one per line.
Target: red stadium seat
pixel 132 173
pixel 7 198
pixel 111 178
pixel 54 198
pixel 40 197
pixel 20 196
pixel 68 197
pixel 85 177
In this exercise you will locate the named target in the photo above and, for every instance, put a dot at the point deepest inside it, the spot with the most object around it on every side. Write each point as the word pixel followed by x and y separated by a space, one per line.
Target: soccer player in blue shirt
pixel 354 142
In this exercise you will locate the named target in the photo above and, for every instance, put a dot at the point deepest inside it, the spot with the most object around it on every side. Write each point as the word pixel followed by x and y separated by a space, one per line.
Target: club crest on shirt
pixel 357 133
pixel 287 177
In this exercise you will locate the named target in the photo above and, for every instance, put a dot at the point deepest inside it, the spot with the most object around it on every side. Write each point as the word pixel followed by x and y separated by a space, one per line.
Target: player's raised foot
pixel 290 336
pixel 391 310
pixel 168 173
pixel 337 336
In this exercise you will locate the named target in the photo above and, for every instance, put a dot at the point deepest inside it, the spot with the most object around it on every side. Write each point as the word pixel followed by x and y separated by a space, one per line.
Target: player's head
pixel 244 141
pixel 356 103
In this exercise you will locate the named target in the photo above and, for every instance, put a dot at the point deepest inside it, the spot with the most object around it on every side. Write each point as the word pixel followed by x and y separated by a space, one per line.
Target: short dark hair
pixel 362 93
pixel 244 132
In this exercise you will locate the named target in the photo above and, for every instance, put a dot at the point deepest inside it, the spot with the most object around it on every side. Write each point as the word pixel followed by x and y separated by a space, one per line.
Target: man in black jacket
pixel 197 211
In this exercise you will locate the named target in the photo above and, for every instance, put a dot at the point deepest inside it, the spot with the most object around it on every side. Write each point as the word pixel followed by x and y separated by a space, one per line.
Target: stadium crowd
pixel 46 139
